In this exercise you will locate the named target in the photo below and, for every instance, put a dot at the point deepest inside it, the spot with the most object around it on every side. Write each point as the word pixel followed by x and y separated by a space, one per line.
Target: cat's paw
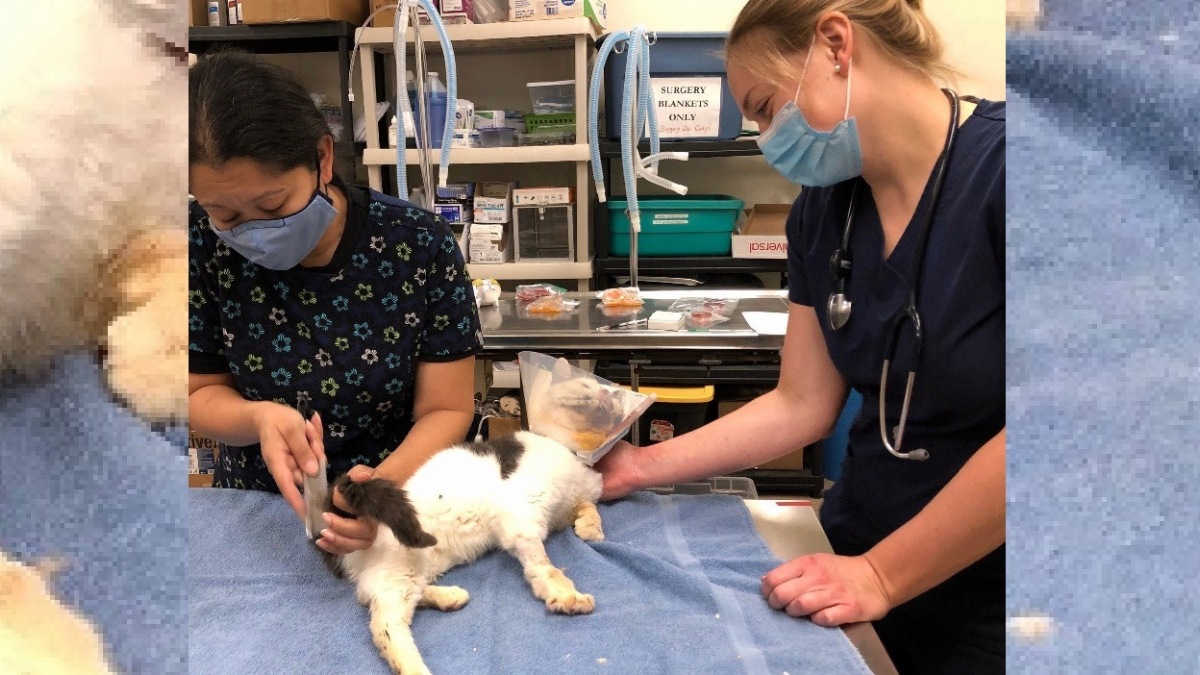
pixel 587 522
pixel 445 598
pixel 147 364
pixel 571 603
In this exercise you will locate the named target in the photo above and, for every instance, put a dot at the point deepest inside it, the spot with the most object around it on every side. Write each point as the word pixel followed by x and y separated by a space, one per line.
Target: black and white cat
pixel 508 493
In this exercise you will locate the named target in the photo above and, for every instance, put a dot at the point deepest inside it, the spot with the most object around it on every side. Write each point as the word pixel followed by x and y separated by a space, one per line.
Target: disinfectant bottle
pixel 435 102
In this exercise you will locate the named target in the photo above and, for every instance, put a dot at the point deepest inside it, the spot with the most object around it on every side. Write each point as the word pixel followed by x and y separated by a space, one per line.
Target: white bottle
pixel 214 13
pixel 231 5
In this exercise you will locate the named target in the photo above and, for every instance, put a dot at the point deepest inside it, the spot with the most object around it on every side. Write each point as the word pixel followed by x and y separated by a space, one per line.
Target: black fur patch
pixel 382 500
pixel 507 450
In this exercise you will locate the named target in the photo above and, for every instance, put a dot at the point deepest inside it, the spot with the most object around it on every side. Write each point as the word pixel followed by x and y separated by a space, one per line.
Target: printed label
pixel 688 107
pixel 661 430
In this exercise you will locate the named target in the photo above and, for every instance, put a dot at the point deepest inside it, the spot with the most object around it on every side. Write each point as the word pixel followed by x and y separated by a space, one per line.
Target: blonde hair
pixel 766 32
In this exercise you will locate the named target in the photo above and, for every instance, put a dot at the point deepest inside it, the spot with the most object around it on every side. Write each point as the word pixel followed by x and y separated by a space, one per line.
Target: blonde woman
pixel 898 232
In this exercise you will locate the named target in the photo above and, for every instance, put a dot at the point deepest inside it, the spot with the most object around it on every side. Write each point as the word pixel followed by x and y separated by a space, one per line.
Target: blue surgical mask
pixel 282 243
pixel 809 157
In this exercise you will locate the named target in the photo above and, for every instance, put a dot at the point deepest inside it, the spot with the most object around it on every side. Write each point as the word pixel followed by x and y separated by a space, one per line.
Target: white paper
pixel 767 323
pixel 688 107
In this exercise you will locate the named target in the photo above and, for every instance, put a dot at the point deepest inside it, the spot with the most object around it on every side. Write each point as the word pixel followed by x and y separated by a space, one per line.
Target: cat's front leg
pixel 147 337
pixel 445 598
pixel 548 582
pixel 587 522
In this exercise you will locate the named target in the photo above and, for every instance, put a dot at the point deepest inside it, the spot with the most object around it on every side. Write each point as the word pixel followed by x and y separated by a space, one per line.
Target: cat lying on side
pixel 509 493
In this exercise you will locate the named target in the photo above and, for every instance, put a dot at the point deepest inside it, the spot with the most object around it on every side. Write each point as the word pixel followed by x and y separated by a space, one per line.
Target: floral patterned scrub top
pixel 345 338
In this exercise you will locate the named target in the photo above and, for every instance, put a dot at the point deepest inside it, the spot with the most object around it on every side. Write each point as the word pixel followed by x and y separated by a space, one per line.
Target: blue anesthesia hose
pixel 407 9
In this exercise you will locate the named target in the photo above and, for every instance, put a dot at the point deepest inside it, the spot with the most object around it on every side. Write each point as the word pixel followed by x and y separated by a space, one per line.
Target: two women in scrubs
pixel 307 293
pixel 846 95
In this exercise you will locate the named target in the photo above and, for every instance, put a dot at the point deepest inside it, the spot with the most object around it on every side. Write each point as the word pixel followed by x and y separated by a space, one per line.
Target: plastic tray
pixel 721 485
pixel 701 225
pixel 553 98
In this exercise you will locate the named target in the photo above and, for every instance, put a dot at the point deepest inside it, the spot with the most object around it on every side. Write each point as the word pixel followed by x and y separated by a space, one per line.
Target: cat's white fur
pixel 93 140
pixel 461 499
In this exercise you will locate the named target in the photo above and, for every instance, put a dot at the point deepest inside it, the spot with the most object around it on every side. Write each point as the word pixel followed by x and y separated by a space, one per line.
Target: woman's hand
pixel 829 589
pixel 345 535
pixel 282 433
pixel 620 471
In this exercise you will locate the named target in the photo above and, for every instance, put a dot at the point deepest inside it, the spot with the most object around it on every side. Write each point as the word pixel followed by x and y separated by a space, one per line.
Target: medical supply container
pixel 701 225
pixel 546 138
pixel 435 107
pixel 675 411
pixel 690 88
pixel 544 232
pixel 552 98
pixel 497 137
pixel 536 124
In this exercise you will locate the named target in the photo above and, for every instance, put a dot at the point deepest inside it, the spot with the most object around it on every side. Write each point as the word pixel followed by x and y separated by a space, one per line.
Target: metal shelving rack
pixel 576 34
pixel 608 267
pixel 294 38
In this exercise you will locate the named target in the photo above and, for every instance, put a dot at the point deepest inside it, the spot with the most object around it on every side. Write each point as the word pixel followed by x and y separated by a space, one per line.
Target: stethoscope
pixel 839 307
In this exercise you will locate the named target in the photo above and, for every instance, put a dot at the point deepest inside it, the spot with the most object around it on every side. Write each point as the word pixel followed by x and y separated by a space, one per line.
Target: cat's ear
pixel 562 370
pixel 382 500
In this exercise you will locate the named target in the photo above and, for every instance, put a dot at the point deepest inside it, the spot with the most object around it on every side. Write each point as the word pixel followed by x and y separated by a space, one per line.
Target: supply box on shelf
pixel 675 412
pixel 490 243
pixel 535 10
pixel 764 233
pixel 287 11
pixel 552 98
pixel 455 202
pixel 543 196
pixel 672 226
pixel 453 12
pixel 493 202
pixel 690 88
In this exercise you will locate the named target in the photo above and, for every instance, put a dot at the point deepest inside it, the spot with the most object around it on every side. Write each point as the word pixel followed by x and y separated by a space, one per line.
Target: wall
pixel 973 32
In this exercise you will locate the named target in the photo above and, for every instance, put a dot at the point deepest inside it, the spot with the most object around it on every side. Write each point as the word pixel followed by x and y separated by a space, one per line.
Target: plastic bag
pixel 535 291
pixel 588 414
pixel 551 304
pixel 704 312
pixel 622 297
pixel 487 292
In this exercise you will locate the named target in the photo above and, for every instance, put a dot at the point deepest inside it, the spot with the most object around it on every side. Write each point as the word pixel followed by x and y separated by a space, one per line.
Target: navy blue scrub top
pixel 958 398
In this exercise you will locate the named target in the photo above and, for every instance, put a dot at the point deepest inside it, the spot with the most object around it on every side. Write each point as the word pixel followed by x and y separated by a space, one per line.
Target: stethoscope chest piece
pixel 838 311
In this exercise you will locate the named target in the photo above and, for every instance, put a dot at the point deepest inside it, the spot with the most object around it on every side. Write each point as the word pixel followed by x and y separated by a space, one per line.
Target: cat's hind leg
pixel 392 607
pixel 548 582
pixel 587 522
pixel 445 598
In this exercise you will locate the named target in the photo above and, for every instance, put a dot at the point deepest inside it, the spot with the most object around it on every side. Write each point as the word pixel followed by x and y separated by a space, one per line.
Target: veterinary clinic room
pixel 524 337
pixel 572 336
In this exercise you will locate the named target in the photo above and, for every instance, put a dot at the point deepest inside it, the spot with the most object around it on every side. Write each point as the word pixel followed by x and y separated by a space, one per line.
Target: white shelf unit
pixel 576 34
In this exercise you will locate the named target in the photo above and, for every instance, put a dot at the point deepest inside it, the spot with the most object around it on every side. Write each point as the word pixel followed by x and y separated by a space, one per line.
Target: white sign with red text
pixel 688 107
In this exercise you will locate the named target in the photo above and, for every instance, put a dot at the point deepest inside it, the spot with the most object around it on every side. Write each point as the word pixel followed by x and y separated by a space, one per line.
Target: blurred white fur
pixel 93 119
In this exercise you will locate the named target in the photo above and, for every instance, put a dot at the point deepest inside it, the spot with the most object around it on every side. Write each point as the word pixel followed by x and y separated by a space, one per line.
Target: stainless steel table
pixel 791 529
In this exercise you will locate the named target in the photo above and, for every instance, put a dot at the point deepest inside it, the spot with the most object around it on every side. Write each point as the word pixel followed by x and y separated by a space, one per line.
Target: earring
pixel 837 67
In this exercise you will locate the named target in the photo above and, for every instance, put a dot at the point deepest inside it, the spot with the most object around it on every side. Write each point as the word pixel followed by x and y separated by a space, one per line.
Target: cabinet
pixel 294 38
pixel 579 36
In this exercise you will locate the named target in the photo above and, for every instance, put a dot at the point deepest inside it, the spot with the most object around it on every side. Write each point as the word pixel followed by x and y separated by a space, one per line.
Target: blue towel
pixel 676 585
pixel 1103 213
pixel 82 478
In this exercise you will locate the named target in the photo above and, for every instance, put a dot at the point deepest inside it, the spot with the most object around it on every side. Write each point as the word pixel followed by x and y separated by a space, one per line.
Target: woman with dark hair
pixel 308 293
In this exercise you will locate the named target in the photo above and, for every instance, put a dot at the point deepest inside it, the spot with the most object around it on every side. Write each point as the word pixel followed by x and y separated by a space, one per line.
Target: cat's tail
pixel 387 503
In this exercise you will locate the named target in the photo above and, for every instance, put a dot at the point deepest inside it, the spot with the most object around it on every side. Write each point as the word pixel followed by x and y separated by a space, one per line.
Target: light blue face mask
pixel 282 243
pixel 809 157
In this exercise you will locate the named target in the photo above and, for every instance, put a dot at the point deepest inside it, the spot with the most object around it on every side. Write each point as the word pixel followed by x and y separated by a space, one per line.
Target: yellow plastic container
pixel 676 411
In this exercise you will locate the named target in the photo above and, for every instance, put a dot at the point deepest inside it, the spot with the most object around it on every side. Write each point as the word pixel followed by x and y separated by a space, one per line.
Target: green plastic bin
pixel 700 225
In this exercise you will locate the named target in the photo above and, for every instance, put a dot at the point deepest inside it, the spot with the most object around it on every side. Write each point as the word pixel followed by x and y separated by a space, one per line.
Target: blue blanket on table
pixel 83 479
pixel 676 584
pixel 1103 213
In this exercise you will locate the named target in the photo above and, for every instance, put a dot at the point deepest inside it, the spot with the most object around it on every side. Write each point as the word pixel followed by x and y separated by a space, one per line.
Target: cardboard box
pixel 202 459
pixel 545 196
pixel 198 14
pixel 288 11
pixel 455 202
pixel 793 461
pixel 499 427
pixel 493 202
pixel 763 235
pixel 490 243
pixel 536 10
